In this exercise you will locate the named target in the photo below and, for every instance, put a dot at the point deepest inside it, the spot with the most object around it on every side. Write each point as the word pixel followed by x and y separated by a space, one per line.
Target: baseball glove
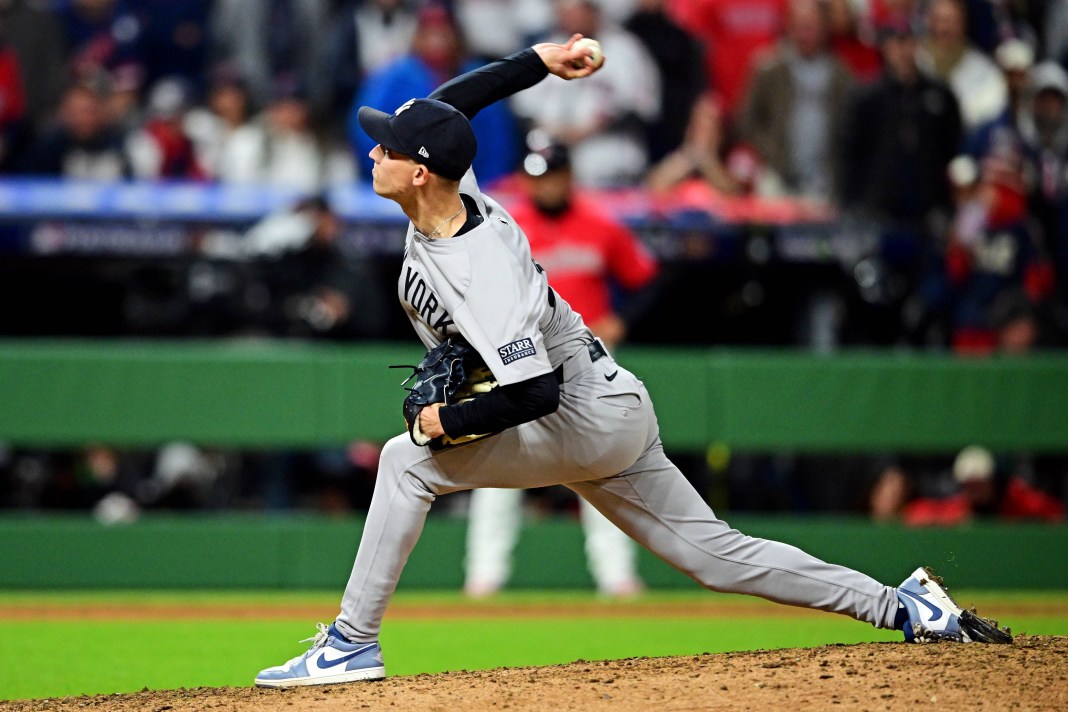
pixel 451 372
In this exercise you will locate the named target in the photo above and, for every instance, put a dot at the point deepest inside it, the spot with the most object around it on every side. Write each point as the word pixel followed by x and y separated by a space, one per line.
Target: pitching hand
pixel 565 60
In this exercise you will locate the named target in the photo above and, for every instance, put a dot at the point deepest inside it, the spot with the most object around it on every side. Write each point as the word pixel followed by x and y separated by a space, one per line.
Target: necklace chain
pixel 437 230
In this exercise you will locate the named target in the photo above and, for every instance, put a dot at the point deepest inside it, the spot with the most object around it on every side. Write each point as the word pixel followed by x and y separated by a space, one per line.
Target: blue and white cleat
pixel 934 616
pixel 330 659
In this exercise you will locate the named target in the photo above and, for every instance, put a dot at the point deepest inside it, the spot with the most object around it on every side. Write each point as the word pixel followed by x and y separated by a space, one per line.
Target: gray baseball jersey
pixel 602 442
pixel 485 285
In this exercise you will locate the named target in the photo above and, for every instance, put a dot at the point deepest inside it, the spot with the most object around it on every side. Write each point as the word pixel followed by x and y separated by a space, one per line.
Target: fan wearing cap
pixel 988 487
pixel 563 413
pixel 586 252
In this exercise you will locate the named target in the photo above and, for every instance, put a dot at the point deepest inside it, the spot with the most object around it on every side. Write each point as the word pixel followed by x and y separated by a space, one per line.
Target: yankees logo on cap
pixel 433 130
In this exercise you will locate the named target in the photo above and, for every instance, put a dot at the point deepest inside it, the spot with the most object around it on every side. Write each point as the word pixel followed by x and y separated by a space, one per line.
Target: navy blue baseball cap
pixel 431 132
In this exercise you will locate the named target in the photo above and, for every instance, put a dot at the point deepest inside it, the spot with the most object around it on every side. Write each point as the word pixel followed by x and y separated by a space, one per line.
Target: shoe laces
pixel 319 639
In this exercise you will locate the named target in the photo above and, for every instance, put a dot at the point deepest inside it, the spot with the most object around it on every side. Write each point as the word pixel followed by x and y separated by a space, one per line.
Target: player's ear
pixel 421 175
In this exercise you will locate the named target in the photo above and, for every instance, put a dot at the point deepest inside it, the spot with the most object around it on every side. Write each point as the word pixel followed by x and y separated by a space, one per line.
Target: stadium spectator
pixel 101 36
pixel 437 54
pixel 884 13
pixel 987 488
pixel 1043 130
pixel 311 286
pixel 1015 58
pixel 12 105
pixel 680 59
pixel 989 23
pixel 992 249
pixel 213 125
pixel 603 119
pixel 734 33
pixel 384 32
pixel 1055 32
pixel 901 132
pixel 283 147
pixel 889 493
pixel 78 478
pixel 173 41
pixel 104 41
pixel 851 41
pixel 124 91
pixel 366 35
pixel 947 54
pixel 268 41
pixel 588 255
pixel 1018 323
pixel 35 36
pixel 83 144
pixel 496 28
pixel 161 148
pixel 700 156
pixel 794 106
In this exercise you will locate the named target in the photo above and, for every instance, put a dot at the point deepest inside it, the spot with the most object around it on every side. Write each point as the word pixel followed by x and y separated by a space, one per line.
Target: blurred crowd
pixel 945 121
pixel 941 122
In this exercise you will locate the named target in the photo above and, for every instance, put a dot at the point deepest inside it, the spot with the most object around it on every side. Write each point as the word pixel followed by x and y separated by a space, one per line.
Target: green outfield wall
pixel 271 394
pixel 258 552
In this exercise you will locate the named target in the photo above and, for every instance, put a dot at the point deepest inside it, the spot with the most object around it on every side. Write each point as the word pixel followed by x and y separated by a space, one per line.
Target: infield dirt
pixel 1030 674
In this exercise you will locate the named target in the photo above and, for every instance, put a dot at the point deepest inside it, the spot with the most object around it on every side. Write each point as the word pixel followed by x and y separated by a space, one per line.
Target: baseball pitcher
pixel 516 392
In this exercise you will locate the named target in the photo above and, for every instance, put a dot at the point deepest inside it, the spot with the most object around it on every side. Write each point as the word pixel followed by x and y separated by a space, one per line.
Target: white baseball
pixel 593 47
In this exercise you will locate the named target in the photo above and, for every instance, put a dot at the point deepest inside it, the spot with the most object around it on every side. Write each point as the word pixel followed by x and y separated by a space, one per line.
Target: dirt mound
pixel 1031 674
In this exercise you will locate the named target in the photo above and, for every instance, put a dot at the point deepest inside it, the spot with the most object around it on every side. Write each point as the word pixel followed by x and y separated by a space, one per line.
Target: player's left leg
pixel 591 435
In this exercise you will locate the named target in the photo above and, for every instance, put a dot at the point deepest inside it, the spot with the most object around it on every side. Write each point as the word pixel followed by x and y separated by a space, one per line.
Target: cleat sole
pixel 983 630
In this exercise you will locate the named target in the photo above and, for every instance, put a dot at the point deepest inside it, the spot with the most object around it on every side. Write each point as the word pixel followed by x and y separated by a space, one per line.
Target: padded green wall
pixel 250 552
pixel 299 394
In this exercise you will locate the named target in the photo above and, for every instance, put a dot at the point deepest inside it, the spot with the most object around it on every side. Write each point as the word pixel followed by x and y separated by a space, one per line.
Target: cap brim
pixel 375 124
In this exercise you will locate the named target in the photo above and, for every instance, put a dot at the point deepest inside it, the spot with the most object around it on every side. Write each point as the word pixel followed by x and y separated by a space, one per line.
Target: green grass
pixel 51 658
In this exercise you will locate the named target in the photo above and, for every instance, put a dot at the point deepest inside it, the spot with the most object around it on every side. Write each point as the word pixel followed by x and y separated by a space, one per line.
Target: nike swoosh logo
pixel 935 610
pixel 611 377
pixel 322 663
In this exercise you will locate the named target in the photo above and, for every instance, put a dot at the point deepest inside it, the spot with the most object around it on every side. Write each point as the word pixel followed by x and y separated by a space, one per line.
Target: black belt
pixel 596 351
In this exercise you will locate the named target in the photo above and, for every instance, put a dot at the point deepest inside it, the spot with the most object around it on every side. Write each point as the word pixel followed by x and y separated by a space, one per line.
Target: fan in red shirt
pixel 984 492
pixel 585 251
pixel 12 100
pixel 733 33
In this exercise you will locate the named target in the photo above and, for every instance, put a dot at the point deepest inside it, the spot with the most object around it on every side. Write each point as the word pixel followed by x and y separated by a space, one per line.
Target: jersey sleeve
pixel 499 316
pixel 475 90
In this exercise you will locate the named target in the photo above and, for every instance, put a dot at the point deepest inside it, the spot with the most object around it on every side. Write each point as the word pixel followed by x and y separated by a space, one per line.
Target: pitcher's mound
pixel 1031 674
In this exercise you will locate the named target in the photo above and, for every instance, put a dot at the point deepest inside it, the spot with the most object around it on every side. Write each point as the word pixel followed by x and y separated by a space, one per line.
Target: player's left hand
pixel 565 60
